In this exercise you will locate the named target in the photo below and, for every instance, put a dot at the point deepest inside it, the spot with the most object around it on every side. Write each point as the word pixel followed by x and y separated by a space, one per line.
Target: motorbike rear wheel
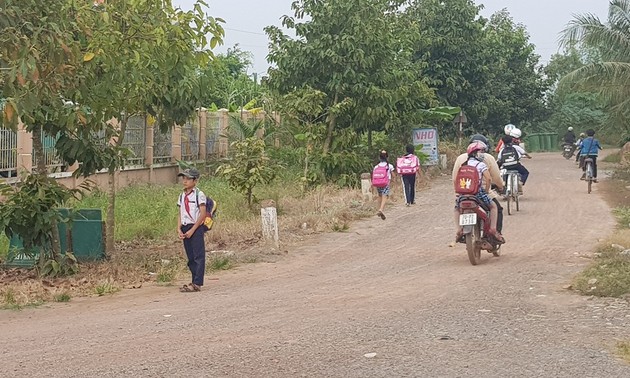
pixel 473 245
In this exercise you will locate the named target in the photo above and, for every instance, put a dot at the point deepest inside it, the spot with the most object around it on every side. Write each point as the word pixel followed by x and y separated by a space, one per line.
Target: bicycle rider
pixel 510 158
pixel 589 149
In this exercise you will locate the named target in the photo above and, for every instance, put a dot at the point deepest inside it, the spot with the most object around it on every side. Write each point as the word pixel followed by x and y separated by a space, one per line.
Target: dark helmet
pixel 480 138
pixel 590 132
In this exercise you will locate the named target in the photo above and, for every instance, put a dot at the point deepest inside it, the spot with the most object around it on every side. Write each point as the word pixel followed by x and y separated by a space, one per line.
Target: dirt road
pixel 394 288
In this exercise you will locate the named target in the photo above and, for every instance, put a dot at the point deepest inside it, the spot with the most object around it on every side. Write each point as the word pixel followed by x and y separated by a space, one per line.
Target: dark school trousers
pixel 195 248
pixel 409 185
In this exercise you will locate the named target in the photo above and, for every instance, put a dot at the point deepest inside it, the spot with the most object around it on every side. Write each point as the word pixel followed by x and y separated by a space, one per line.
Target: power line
pixel 245 31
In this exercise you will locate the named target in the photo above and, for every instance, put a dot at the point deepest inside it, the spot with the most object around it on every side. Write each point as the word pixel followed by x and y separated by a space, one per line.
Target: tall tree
pixel 608 78
pixel 487 67
pixel 357 53
pixel 108 60
pixel 517 84
pixel 143 56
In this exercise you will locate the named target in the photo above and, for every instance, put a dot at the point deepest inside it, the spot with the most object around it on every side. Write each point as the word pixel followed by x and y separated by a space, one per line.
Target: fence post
pixel 224 121
pixel 24 151
pixel 176 142
pixel 149 140
pixel 269 217
pixel 366 186
pixel 203 121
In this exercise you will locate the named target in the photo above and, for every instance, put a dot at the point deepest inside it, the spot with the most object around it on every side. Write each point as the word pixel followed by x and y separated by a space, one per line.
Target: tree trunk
pixel 40 169
pixel 370 139
pixel 332 122
pixel 110 221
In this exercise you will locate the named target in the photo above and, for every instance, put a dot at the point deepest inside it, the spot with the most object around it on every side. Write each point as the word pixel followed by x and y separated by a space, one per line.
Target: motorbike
pixel 474 218
pixel 567 150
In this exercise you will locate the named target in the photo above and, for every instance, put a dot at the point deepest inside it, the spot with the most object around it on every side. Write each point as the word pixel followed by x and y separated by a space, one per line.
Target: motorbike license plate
pixel 467 219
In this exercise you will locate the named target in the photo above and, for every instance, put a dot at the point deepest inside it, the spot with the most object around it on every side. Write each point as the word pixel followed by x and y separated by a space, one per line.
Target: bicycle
pixel 511 189
pixel 589 173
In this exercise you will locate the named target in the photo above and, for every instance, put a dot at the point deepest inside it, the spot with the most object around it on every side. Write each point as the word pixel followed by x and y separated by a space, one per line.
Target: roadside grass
pixel 149 251
pixel 62 297
pixel 612 158
pixel 4 247
pixel 623 350
pixel 609 274
pixel 10 299
pixel 169 271
pixel 107 287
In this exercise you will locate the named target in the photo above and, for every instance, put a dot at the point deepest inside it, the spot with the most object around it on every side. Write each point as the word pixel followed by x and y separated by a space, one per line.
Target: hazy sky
pixel 245 20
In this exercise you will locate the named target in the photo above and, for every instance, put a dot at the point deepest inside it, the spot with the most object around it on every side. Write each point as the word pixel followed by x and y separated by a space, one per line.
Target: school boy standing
pixel 192 212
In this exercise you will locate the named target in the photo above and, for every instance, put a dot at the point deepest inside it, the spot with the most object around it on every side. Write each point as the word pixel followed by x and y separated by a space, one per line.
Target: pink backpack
pixel 407 165
pixel 380 176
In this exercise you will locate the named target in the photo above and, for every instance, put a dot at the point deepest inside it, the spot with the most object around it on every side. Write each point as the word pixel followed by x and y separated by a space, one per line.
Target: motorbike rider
pixel 510 158
pixel 476 155
pixel 578 146
pixel 569 137
pixel 495 174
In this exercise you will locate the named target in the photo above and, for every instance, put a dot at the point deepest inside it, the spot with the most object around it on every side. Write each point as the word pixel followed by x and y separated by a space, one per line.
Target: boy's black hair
pixel 590 132
pixel 410 149
pixel 507 139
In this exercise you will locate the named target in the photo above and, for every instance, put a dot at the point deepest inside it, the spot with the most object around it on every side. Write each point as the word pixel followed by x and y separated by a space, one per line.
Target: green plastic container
pixel 554 142
pixel 533 143
pixel 545 142
pixel 83 236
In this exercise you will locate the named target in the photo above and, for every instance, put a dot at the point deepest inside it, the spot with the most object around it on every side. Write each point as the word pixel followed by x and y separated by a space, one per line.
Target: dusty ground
pixel 394 288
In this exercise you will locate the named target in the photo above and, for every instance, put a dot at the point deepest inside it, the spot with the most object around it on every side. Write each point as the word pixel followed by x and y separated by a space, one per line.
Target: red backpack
pixel 467 180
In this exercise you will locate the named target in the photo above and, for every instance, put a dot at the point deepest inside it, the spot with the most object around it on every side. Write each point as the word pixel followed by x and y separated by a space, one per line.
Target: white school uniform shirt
pixel 480 166
pixel 193 206
pixel 519 151
pixel 389 171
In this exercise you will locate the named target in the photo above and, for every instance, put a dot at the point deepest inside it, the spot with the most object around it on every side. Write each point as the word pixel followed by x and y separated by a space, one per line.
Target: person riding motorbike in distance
pixel 476 157
pixel 578 146
pixel 569 139
pixel 495 174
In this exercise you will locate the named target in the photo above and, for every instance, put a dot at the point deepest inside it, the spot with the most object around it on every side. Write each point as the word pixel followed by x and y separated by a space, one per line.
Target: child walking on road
pixel 192 213
pixel 408 166
pixel 381 178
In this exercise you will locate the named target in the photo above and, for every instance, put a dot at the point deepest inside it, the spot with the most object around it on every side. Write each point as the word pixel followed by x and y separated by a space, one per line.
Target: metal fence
pixel 213 132
pixel 135 139
pixel 190 141
pixel 8 153
pixel 162 146
pixel 52 161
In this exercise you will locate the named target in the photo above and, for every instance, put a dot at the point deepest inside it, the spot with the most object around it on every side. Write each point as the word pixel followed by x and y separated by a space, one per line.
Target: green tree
pixel 570 106
pixel 607 78
pixel 517 84
pixel 486 67
pixel 226 83
pixel 102 61
pixel 40 65
pixel 357 53
pixel 143 56
pixel 248 167
pixel 452 51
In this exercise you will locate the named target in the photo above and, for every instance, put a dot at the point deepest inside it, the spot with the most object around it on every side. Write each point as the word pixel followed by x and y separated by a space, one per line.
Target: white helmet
pixel 509 127
pixel 516 133
pixel 570 128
